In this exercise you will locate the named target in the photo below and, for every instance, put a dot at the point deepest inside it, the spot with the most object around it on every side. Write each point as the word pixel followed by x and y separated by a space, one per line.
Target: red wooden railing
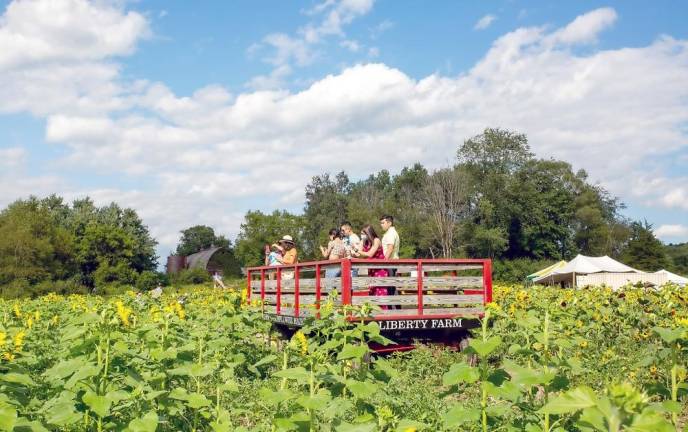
pixel 305 287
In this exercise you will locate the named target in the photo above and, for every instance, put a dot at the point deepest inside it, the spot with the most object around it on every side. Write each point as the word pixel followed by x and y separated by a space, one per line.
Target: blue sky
pixel 194 112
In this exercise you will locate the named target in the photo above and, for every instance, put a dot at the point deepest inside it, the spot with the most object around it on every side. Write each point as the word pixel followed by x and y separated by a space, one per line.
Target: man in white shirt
pixel 390 241
pixel 390 247
pixel 352 242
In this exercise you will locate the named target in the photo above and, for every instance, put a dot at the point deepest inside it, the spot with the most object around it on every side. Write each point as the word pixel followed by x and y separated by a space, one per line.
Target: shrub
pixel 15 289
pixel 120 273
pixel 190 276
pixel 63 287
pixel 147 280
pixel 22 288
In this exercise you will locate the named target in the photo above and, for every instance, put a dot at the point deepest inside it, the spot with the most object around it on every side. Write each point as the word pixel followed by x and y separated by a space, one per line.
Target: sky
pixel 195 112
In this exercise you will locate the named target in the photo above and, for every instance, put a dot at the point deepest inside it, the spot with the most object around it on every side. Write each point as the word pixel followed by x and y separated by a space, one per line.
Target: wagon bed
pixel 434 300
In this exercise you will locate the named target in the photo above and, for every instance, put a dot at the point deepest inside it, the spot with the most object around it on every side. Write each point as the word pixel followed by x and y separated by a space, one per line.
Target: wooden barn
pixel 214 260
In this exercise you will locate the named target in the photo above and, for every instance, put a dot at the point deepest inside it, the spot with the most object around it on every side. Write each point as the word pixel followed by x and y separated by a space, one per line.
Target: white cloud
pixel 585 28
pixel 340 13
pixel 53 52
pixel 37 31
pixel 351 45
pixel 484 22
pixel 276 79
pixel 11 158
pixel 671 231
pixel 14 186
pixel 209 157
pixel 286 51
pixel 659 190
pixel 382 27
pixel 676 197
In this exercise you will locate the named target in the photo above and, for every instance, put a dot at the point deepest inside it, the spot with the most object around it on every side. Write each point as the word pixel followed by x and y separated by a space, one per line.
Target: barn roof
pixel 200 259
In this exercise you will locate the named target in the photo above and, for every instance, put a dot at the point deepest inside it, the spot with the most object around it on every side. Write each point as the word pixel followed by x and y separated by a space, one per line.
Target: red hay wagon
pixel 428 301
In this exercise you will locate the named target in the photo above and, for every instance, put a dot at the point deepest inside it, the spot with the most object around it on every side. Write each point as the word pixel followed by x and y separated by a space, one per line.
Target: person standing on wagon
pixel 390 240
pixel 335 250
pixel 351 241
pixel 390 243
pixel 372 248
pixel 290 255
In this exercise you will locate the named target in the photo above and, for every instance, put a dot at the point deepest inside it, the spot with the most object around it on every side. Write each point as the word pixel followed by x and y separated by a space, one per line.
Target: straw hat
pixel 287 239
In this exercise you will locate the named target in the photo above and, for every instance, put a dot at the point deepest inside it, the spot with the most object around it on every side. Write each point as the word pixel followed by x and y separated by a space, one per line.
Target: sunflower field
pixel 544 359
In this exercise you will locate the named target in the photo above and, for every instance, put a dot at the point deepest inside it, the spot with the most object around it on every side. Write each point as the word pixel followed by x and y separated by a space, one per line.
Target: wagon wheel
pixel 280 334
pixel 471 359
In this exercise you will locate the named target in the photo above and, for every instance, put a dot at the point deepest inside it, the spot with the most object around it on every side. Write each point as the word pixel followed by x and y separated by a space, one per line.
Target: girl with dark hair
pixel 372 248
pixel 336 249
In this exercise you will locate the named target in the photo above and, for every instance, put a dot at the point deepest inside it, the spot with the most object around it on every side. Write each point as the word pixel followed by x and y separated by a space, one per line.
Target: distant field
pixel 548 359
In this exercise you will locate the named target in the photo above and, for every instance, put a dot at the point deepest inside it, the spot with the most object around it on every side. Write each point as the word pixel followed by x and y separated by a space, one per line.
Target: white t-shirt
pixel 352 241
pixel 391 237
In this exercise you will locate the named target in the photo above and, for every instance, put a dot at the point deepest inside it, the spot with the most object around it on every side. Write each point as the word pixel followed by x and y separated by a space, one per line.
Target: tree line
pixel 47 245
pixel 496 200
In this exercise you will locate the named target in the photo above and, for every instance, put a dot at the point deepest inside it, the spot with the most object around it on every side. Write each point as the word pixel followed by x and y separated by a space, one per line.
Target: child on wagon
pixel 273 255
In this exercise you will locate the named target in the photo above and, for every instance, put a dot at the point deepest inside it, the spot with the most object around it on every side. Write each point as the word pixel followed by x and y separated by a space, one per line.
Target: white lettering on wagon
pixel 284 319
pixel 421 324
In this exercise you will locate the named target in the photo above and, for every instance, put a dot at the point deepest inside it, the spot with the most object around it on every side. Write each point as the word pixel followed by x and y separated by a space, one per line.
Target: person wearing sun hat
pixel 289 256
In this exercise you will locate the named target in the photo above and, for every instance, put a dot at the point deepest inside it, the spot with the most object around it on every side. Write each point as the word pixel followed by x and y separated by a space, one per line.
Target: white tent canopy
pixel 678 280
pixel 582 265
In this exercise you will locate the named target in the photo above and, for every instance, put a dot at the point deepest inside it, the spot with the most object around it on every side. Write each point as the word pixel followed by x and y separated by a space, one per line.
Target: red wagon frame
pixel 290 293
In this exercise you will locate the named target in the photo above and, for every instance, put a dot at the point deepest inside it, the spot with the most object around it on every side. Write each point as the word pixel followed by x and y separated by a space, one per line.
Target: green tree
pixel 678 253
pixel 104 254
pixel 326 207
pixel 32 246
pixel 492 160
pixel 493 156
pixel 198 238
pixel 410 218
pixel 47 240
pixel 85 213
pixel 259 229
pixel 397 195
pixel 644 251
pixel 540 207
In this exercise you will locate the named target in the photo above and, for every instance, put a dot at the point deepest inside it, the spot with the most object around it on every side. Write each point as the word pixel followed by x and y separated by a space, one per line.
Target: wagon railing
pixel 416 288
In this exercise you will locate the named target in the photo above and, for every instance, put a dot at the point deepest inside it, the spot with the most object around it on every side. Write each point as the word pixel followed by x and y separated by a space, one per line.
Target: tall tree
pixel 49 240
pixel 494 155
pixel 198 238
pixel 32 246
pixel 644 251
pixel 445 199
pixel 104 253
pixel 491 160
pixel 259 229
pixel 326 207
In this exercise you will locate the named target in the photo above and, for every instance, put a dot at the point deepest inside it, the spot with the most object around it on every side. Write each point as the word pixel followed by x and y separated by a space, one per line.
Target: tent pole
pixel 573 283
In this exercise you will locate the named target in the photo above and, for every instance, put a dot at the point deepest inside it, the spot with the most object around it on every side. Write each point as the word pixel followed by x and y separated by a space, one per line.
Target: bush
pixel 119 274
pixel 112 289
pixel 190 276
pixel 15 289
pixel 22 288
pixel 62 287
pixel 147 280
